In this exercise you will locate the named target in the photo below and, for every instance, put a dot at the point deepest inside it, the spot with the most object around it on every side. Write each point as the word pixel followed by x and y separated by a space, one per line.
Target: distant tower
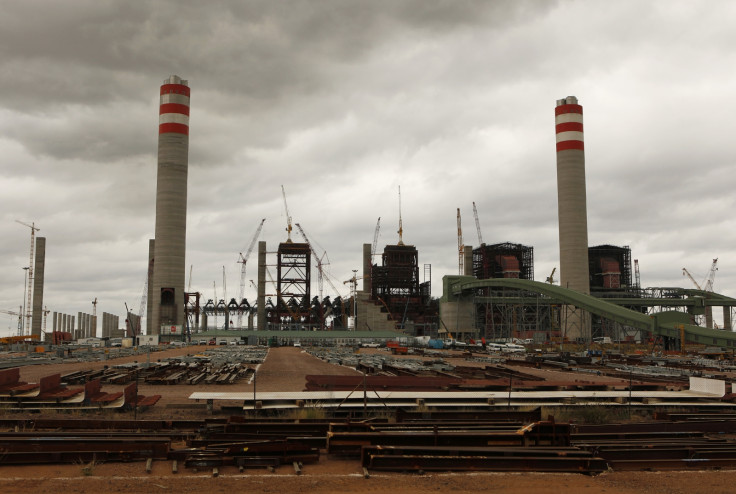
pixel 571 207
pixel 38 274
pixel 169 269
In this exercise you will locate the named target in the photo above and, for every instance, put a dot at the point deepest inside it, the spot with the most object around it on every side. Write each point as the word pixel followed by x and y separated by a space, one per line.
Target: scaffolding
pixel 293 281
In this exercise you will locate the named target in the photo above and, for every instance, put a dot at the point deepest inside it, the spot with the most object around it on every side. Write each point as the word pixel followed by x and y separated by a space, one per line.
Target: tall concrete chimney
pixel 572 209
pixel 38 275
pixel 167 304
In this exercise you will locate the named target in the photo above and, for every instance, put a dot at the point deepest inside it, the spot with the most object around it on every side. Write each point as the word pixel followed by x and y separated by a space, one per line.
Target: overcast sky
pixel 342 102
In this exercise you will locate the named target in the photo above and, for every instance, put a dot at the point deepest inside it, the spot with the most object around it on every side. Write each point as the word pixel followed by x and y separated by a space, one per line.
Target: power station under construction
pixel 494 296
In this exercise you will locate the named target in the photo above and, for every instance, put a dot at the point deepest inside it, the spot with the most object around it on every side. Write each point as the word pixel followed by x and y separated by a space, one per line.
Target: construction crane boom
pixel 460 247
pixel 13 313
pixel 288 216
pixel 375 238
pixel 243 260
pixel 707 284
pixel 477 224
pixel 551 277
pixel 319 260
pixel 685 272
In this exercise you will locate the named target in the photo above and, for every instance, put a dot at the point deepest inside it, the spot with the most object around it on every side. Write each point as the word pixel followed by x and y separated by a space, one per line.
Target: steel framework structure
pixel 293 278
pixel 504 260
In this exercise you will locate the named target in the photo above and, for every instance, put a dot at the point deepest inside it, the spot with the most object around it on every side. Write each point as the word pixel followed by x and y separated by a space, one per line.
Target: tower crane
pixel 401 227
pixel 243 260
pixel 707 284
pixel 20 317
pixel 45 315
pixel 214 313
pixel 317 259
pixel 711 276
pixel 477 224
pixel 637 276
pixel 288 216
pixel 94 318
pixel 354 293
pixel 144 297
pixel 29 307
pixel 375 238
pixel 460 246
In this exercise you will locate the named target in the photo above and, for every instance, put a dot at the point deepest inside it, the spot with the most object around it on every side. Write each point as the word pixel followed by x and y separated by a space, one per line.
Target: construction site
pixel 586 373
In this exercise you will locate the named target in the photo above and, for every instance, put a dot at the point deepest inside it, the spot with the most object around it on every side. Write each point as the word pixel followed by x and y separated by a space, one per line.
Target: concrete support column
pixel 727 318
pixel 53 321
pixel 38 275
pixel 709 316
pixel 149 287
pixel 367 268
pixel 262 325
pixel 468 260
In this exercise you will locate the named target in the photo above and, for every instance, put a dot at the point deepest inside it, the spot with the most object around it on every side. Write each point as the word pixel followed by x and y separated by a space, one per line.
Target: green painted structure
pixel 668 324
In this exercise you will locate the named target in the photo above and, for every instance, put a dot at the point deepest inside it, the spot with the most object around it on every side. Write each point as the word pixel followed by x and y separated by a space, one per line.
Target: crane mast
pixel 711 276
pixel 401 227
pixel 637 276
pixel 460 247
pixel 288 216
pixel 29 307
pixel 243 260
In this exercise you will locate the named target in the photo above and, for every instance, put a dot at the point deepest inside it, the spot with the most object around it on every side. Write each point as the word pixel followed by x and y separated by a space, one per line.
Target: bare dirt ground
pixel 284 370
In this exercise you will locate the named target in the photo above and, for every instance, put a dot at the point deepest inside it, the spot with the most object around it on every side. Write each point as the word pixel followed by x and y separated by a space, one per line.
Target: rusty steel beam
pixel 98 424
pixel 534 415
pixel 487 463
pixel 538 434
pixel 673 464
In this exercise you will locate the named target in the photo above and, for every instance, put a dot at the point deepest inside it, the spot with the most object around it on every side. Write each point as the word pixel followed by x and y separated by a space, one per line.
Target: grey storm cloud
pixel 342 102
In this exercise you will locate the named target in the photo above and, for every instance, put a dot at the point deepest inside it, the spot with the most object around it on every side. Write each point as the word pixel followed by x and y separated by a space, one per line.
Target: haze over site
pixel 342 102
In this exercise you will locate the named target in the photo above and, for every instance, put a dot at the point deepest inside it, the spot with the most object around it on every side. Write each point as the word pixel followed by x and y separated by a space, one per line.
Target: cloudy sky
pixel 342 102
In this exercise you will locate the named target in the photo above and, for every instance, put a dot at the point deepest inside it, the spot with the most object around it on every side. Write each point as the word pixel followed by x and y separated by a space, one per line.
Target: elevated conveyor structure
pixel 466 288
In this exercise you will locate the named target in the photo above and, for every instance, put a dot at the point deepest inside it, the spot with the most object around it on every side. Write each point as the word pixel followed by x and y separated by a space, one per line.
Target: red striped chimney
pixel 174 109
pixel 569 124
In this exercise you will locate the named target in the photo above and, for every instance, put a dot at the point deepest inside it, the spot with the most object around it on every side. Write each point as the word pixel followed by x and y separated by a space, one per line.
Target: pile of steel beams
pixel 51 394
pixel 415 441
